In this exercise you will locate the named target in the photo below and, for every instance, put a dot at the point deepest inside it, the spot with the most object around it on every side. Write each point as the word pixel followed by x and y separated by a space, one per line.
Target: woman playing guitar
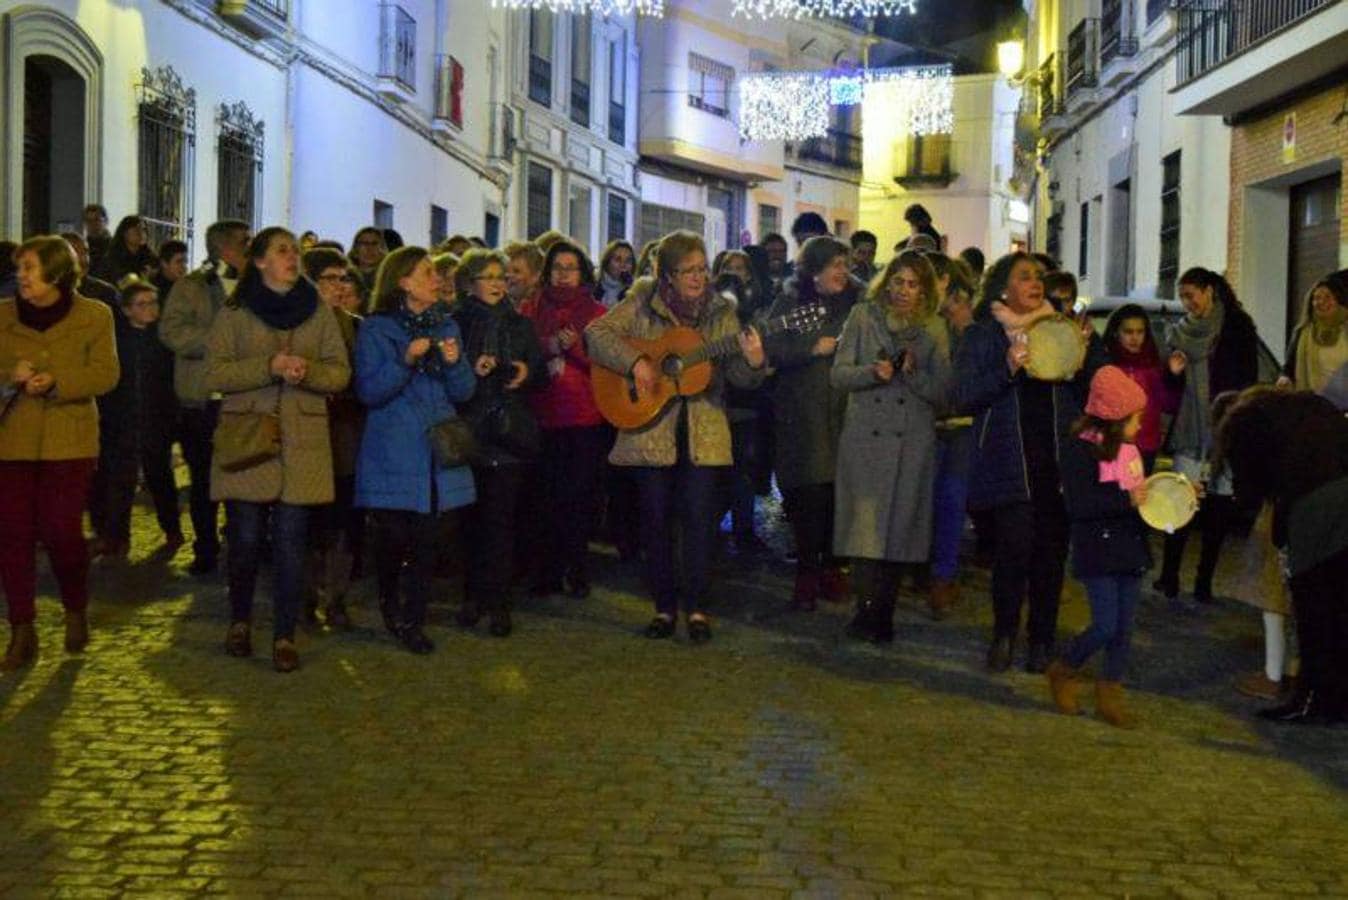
pixel 675 454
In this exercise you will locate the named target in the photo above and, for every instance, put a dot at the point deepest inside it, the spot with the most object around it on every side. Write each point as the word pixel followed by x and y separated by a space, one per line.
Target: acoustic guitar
pixel 683 366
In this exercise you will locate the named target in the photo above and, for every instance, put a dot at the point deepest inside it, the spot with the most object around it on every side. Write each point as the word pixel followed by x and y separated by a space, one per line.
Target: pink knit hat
pixel 1114 395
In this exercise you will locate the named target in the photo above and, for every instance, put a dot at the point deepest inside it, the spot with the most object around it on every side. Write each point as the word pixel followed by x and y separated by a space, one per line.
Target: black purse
pixel 512 427
pixel 453 443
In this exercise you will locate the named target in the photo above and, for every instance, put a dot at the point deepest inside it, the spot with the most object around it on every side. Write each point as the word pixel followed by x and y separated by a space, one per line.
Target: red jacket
pixel 567 401
pixel 1163 393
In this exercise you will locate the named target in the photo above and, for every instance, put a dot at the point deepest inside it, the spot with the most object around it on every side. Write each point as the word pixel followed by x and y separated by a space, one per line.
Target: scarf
pixel 611 290
pixel 687 311
pixel 40 318
pixel 1191 434
pixel 1321 349
pixel 1015 324
pixel 284 312
pixel 429 323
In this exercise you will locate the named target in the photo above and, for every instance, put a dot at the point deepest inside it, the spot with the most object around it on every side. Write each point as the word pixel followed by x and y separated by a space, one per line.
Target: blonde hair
pixel 545 240
pixel 56 258
pixel 878 292
pixel 526 250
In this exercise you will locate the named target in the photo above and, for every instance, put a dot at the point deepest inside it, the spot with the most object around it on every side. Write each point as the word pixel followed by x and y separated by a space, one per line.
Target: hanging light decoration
pixel 777 106
pixel 800 9
pixel 600 7
pixel 793 106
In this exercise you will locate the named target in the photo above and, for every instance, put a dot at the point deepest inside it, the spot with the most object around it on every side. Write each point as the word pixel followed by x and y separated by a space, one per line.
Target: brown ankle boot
pixel 943 597
pixel 77 631
pixel 1110 705
pixel 1064 685
pixel 22 649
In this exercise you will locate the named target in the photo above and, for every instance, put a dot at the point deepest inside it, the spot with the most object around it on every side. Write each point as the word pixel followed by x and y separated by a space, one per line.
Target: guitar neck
pixel 729 344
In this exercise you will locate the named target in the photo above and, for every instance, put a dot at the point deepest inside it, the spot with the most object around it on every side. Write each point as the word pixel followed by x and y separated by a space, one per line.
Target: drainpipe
pixel 288 132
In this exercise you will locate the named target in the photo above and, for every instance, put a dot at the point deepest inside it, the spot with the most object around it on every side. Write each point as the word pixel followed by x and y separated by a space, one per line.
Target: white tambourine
pixel 1172 501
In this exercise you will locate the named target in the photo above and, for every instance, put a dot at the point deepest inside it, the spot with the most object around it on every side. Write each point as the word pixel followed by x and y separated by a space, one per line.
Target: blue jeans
pixel 288 527
pixel 685 492
pixel 1113 601
pixel 950 497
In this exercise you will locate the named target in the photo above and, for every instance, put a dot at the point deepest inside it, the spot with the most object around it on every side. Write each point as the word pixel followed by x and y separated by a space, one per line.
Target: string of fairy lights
pixel 796 106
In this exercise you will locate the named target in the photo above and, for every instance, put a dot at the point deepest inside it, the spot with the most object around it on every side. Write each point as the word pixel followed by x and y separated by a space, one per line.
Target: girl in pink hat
pixel 1103 484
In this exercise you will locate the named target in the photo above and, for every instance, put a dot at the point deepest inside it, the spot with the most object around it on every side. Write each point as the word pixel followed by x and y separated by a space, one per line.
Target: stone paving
pixel 576 757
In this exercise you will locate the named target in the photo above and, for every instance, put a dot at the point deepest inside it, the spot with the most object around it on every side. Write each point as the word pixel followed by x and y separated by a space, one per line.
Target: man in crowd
pixel 864 245
pixel 88 285
pixel 919 222
pixel 190 310
pixel 172 265
pixel 97 238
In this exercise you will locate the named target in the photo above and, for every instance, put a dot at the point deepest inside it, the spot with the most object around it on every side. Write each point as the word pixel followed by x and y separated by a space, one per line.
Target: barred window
pixel 769 220
pixel 539 201
pixel 239 162
pixel 166 115
pixel 1170 225
pixel 617 217
pixel 658 221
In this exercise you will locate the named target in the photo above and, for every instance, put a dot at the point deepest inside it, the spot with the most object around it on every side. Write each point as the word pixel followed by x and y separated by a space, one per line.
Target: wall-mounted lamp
pixel 1011 58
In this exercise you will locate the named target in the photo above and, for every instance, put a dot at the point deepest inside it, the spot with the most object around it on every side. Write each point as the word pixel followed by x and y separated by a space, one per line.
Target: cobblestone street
pixel 576 757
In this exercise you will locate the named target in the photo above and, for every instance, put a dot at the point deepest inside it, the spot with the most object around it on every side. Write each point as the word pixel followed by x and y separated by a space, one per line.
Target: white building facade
pixel 412 114
pixel 1128 194
pixel 963 179
pixel 696 171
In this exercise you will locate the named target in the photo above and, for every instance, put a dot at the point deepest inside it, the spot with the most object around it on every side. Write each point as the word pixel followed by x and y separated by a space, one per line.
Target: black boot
pixel 500 625
pixel 1000 653
pixel 391 611
pixel 866 623
pixel 415 639
pixel 1305 708
pixel 1036 663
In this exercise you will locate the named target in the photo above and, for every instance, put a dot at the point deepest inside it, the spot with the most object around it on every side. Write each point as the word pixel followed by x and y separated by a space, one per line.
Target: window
pixel 579 215
pixel 658 221
pixel 439 224
pixel 1170 226
pixel 491 229
pixel 617 217
pixel 1155 8
pixel 769 220
pixel 709 85
pixel 397 45
pixel 539 201
pixel 617 91
pixel 540 56
pixel 383 214
pixel 840 228
pixel 449 91
pixel 166 127
pixel 238 164
pixel 929 156
pixel 1084 242
pixel 580 69
pixel 1053 238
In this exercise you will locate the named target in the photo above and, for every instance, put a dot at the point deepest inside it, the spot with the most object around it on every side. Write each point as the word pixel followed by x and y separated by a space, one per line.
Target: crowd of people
pixel 368 407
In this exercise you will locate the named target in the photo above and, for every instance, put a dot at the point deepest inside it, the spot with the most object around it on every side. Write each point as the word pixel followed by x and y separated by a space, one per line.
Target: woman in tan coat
pixel 274 350
pixel 675 456
pixel 57 353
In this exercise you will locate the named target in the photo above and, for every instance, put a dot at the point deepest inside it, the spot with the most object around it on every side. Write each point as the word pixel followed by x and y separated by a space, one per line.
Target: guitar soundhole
pixel 671 366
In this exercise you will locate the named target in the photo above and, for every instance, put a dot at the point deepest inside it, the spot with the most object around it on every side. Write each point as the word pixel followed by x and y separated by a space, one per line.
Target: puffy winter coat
pixel 985 389
pixel 394 468
pixel 1108 536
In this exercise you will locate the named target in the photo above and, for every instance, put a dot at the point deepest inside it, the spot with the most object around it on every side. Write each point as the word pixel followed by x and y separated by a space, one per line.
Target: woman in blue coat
pixel 410 373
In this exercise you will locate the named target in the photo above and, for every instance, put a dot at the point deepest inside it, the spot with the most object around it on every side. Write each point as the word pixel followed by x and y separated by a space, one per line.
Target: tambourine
pixel 1057 350
pixel 1172 501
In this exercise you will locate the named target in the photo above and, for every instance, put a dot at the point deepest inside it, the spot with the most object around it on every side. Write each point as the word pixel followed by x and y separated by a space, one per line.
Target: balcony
pixel 1118 42
pixel 1083 63
pixel 259 19
pixel 1233 56
pixel 1052 116
pixel 448 114
pixel 839 149
pixel 397 53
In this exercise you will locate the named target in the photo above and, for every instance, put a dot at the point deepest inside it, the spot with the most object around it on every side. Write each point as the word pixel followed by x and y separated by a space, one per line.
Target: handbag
pixel 452 443
pixel 247 439
pixel 512 428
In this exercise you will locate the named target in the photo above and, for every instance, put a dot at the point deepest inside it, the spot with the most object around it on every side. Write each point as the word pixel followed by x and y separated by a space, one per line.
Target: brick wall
pixel 1256 155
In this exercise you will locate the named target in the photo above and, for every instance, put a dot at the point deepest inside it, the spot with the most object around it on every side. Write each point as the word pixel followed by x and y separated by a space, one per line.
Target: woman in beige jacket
pixel 57 353
pixel 274 349
pixel 675 455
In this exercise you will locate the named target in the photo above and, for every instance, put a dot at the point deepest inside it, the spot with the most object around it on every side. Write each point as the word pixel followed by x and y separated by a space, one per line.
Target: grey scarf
pixel 1195 338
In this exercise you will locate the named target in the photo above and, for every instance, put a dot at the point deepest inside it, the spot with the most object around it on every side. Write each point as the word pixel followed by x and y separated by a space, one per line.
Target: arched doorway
pixel 51 129
pixel 53 146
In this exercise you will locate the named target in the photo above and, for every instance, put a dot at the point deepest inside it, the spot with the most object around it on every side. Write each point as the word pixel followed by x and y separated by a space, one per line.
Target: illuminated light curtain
pixel 799 9
pixel 794 106
pixel 600 7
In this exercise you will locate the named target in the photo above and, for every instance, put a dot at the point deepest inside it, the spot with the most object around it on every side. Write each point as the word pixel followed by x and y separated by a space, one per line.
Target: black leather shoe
pixel 577 585
pixel 469 615
pixel 866 624
pixel 1304 708
pixel 500 626
pixel 660 627
pixel 1168 589
pixel 1000 652
pixel 415 639
pixel 202 567
pixel 1036 663
pixel 699 630
pixel 546 588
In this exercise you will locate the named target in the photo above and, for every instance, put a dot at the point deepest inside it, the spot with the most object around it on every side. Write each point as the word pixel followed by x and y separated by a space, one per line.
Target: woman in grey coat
pixel 896 381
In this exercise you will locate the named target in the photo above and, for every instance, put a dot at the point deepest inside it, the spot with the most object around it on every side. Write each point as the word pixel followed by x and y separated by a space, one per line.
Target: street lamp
pixel 1011 58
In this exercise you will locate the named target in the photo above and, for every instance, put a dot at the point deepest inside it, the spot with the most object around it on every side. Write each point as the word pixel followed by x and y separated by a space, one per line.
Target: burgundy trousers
pixel 43 501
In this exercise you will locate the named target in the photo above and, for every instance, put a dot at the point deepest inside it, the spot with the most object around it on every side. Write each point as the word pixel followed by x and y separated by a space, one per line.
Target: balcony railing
pixel 617 122
pixel 259 18
pixel 1118 32
pixel 1083 56
pixel 397 46
pixel 837 148
pixel 1212 31
pixel 1050 102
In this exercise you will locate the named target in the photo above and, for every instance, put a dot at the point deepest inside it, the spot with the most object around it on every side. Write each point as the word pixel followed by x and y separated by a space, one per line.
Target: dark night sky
pixel 965 29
